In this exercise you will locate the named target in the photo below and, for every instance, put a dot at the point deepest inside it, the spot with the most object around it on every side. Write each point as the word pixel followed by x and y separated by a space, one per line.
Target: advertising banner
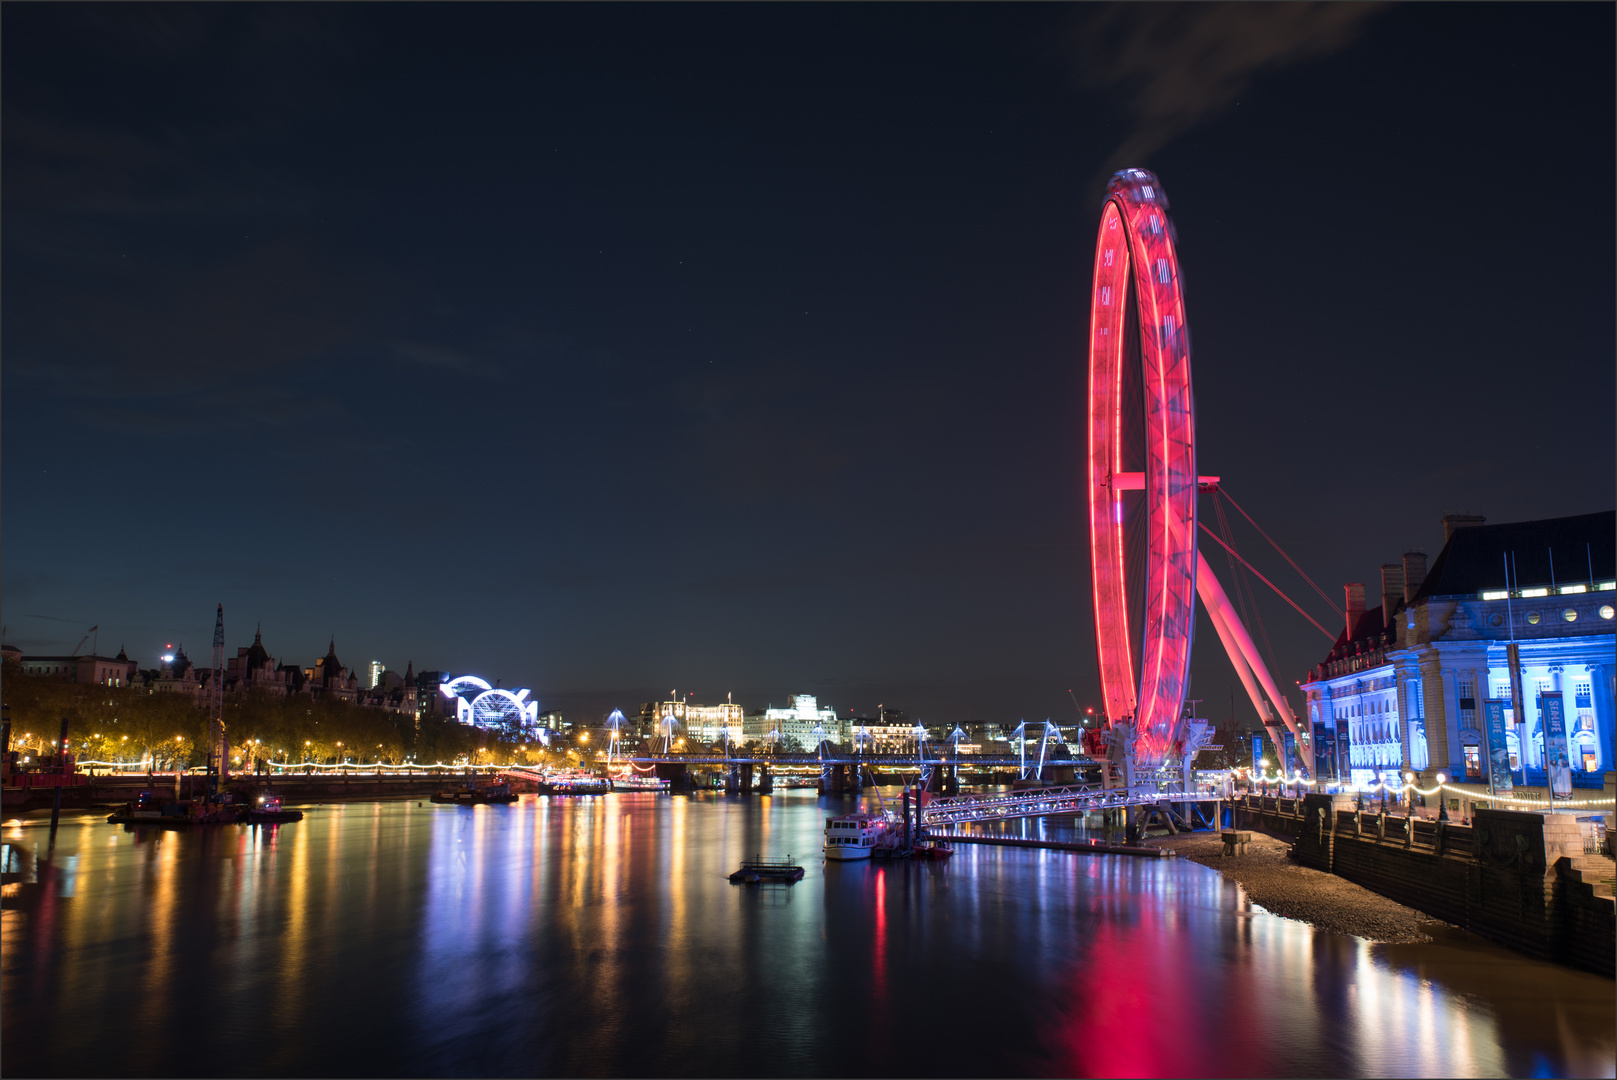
pixel 1557 753
pixel 1498 749
pixel 1291 754
pixel 1257 753
pixel 1344 758
pixel 1325 750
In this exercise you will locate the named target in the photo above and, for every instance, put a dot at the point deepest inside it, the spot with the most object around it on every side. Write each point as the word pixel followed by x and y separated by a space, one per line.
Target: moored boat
pixel 268 809
pixel 147 809
pixel 580 785
pixel 499 792
pixel 854 836
pixel 636 782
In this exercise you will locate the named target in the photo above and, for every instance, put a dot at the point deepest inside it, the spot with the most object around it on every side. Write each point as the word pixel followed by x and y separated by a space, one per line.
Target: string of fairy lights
pixel 302 766
pixel 1409 785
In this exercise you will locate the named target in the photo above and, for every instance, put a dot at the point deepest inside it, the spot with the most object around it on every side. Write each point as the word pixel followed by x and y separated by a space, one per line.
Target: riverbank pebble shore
pixel 1282 887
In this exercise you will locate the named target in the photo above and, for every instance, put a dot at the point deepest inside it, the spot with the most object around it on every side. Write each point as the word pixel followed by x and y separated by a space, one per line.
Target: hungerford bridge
pixel 1169 791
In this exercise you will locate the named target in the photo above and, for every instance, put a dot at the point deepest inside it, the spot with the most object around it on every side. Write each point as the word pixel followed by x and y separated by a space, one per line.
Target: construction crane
pixel 95 630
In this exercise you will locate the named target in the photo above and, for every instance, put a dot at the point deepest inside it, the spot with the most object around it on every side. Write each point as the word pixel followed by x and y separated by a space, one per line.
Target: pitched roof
pixel 1474 557
pixel 1368 633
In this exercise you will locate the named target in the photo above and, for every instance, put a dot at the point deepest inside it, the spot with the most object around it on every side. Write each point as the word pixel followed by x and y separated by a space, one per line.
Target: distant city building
pixel 101 670
pixel 890 731
pixel 253 668
pixel 394 693
pixel 797 725
pixel 506 712
pixel 329 678
pixel 1404 686
pixel 377 667
pixel 702 723
pixel 175 674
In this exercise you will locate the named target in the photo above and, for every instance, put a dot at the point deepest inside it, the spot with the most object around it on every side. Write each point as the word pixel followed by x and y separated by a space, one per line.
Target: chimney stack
pixel 1392 591
pixel 1458 521
pixel 1355 604
pixel 1414 574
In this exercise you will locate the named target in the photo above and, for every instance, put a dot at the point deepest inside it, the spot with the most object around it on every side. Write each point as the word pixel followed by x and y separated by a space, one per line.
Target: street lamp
pixel 1442 803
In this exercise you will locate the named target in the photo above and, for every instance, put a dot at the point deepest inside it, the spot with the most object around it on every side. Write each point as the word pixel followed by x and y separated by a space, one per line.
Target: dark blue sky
pixel 614 349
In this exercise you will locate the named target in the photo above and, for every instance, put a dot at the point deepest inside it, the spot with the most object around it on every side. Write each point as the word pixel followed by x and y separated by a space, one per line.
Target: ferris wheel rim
pixel 1137 286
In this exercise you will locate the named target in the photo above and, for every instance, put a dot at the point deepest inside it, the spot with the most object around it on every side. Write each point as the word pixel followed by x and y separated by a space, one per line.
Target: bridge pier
pixel 677 775
pixel 732 779
pixel 746 778
pixel 766 782
pixel 833 779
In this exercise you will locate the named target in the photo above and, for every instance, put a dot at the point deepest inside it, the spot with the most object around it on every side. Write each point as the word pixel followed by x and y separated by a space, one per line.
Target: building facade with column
pixel 1403 688
pixel 797 726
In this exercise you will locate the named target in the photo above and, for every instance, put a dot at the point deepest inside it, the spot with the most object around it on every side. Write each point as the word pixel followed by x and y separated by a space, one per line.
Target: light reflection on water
pixel 600 936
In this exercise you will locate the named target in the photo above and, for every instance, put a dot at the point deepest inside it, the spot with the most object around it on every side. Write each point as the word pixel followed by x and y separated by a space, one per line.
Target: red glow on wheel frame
pixel 1136 237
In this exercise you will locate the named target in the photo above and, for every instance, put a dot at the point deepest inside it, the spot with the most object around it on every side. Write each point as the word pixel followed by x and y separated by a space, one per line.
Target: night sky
pixel 610 350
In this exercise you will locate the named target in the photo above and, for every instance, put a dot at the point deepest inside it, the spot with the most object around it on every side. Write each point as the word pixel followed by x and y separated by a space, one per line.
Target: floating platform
pixel 759 869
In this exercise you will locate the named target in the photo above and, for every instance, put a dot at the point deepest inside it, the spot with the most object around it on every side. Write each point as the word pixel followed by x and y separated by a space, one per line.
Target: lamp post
pixel 1442 803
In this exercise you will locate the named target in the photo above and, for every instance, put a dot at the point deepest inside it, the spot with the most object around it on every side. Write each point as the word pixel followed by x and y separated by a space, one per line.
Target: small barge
pixel 759 869
pixel 499 793
pixel 178 813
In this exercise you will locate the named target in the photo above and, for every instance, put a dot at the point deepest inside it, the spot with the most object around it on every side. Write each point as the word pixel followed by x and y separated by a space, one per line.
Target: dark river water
pixel 599 936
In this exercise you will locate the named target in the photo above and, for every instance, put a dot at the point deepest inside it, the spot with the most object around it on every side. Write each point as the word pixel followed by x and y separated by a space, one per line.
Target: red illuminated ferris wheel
pixel 1143 482
pixel 1142 464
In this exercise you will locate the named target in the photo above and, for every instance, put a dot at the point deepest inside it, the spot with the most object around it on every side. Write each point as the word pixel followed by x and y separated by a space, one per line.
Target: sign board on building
pixel 1498 749
pixel 1557 753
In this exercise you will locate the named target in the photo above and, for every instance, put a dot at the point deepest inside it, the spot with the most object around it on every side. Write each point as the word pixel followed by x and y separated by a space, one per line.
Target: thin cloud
pixel 1181 64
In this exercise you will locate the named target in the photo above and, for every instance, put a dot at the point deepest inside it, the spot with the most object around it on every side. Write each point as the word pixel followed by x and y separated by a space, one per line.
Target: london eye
pixel 1143 482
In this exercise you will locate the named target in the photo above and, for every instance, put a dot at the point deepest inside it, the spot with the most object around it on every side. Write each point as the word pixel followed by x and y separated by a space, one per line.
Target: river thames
pixel 600 936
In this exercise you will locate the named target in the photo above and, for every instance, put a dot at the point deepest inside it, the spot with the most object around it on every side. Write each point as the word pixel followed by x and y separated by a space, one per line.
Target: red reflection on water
pixel 1120 993
pixel 881 933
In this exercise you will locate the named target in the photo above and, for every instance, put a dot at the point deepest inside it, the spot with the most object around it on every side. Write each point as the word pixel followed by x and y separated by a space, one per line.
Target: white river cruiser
pixel 853 836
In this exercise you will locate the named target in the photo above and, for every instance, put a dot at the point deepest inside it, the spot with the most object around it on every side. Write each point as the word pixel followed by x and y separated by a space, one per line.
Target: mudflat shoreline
pixel 1281 887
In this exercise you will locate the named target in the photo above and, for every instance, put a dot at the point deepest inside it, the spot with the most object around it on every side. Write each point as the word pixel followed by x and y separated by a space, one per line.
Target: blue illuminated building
pixel 1402 688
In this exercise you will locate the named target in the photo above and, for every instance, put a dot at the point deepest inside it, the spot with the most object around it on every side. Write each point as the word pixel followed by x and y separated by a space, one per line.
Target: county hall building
pixel 1402 689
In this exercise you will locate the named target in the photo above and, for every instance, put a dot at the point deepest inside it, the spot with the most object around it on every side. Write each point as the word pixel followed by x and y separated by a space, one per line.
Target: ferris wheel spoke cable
pixel 1244 589
pixel 1340 613
pixel 1266 581
pixel 1229 557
